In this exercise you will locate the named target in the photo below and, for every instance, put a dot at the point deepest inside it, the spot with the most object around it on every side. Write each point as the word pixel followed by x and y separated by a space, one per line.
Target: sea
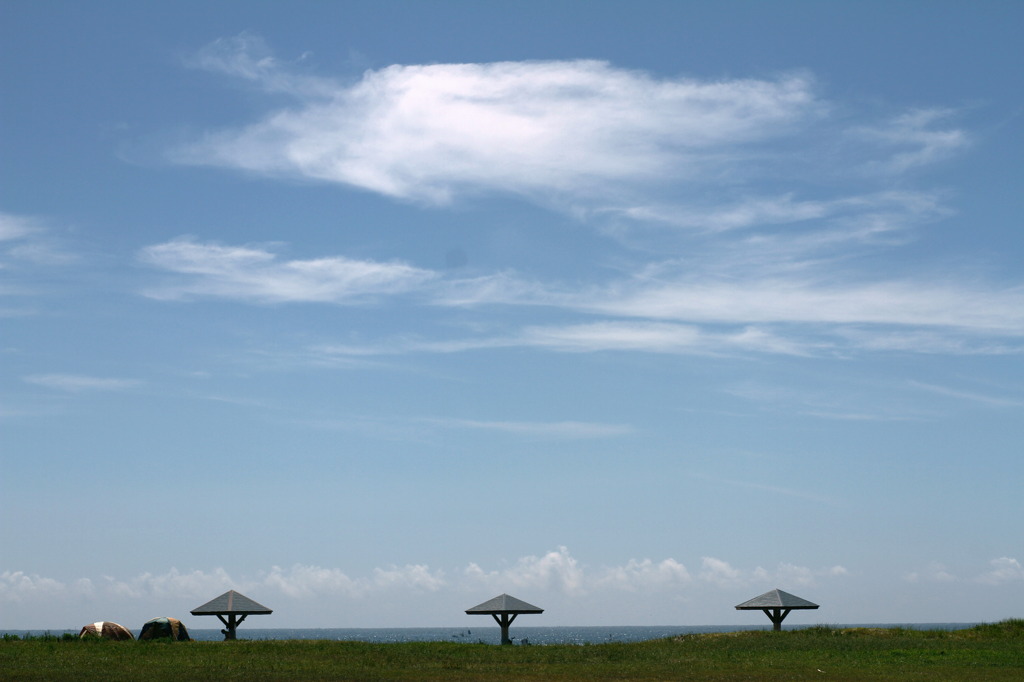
pixel 526 635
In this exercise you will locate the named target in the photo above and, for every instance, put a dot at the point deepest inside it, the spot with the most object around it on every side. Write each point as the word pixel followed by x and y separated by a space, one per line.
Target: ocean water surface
pixel 492 635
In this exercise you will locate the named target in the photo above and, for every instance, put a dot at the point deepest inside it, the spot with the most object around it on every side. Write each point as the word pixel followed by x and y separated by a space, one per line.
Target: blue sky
pixel 374 310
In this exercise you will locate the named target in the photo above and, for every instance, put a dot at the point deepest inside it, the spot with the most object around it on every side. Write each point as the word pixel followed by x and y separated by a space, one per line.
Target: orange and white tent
pixel 107 630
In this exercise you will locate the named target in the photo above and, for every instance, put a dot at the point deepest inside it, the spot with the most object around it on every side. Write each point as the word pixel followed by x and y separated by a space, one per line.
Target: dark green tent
pixel 165 628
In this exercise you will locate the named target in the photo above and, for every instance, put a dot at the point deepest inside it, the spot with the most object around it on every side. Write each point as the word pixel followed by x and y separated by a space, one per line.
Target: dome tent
pixel 106 629
pixel 164 628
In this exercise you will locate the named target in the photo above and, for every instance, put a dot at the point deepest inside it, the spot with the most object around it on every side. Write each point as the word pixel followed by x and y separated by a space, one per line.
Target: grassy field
pixel 985 652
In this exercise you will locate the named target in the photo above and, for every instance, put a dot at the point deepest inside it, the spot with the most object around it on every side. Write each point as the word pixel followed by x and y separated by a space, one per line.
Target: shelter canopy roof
pixel 504 603
pixel 231 602
pixel 777 599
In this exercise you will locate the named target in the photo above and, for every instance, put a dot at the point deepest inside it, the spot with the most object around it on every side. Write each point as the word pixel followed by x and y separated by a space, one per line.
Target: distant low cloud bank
pixel 556 571
pixel 1002 571
pixel 307 595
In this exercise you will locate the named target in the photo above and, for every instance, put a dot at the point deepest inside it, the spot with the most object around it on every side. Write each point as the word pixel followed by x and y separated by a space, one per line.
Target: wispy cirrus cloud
pixel 813 299
pixel 247 56
pixel 27 239
pixel 562 429
pixel 770 488
pixel 913 139
pixel 733 318
pixel 659 337
pixel 663 308
pixel 769 267
pixel 17 227
pixel 592 337
pixel 831 222
pixel 76 383
pixel 971 396
pixel 257 274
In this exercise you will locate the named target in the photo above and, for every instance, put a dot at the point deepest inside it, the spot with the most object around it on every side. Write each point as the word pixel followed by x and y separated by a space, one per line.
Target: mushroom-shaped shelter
pixel 107 630
pixel 232 608
pixel 165 628
pixel 776 604
pixel 504 610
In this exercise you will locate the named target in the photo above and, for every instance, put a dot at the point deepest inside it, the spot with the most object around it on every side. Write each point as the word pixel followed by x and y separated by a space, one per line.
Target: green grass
pixel 985 652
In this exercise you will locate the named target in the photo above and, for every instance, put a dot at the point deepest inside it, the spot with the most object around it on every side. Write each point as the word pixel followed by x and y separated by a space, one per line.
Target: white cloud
pixel 309 581
pixel 75 383
pixel 725 576
pixel 786 573
pixel 645 574
pixel 256 274
pixel 298 581
pixel 1004 570
pixel 555 570
pixel 174 583
pixel 935 572
pixel 17 586
pixel 413 576
pixel 764 272
pixel 719 572
pixel 590 137
pixel 559 571
pixel 427 132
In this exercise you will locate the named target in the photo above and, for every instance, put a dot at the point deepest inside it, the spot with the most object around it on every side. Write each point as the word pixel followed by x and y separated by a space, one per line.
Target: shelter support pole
pixel 503 623
pixel 230 625
pixel 776 616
